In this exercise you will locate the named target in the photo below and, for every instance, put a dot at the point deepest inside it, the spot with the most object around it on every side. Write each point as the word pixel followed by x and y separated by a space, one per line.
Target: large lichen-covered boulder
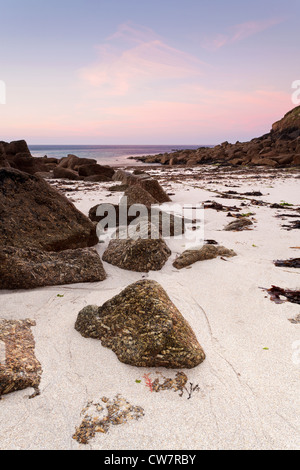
pixel 207 252
pixel 153 187
pixel 19 368
pixel 143 327
pixel 27 268
pixel 35 215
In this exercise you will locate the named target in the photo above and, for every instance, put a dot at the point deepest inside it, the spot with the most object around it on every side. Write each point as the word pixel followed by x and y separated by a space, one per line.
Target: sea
pixel 107 154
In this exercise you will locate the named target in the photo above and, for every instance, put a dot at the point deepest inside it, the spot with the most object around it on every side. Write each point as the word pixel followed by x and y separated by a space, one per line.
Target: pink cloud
pixel 240 32
pixel 135 59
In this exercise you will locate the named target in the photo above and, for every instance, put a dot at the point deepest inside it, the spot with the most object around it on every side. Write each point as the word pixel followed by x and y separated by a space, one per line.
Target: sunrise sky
pixel 138 72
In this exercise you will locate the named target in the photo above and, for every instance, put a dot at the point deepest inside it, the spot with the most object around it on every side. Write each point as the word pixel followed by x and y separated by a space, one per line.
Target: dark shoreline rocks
pixel 279 148
pixel 143 328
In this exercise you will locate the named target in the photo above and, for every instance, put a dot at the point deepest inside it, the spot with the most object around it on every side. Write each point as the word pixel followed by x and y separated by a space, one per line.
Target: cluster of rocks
pixel 280 147
pixel 17 155
pixel 137 244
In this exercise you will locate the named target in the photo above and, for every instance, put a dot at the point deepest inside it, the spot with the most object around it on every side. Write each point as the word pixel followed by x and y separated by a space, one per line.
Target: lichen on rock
pixel 143 327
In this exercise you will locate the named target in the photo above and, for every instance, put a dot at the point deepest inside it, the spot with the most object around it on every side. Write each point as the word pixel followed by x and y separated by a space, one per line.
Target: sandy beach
pixel 247 393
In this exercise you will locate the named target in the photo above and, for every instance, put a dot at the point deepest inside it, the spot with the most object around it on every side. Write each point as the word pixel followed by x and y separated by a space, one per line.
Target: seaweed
pixel 276 292
pixel 288 263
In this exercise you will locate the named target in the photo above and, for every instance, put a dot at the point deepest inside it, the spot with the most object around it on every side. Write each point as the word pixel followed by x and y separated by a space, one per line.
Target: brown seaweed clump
pixel 143 327
pixel 19 368
pixel 98 417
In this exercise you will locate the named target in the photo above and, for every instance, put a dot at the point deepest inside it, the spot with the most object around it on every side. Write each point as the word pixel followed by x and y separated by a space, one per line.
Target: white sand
pixel 249 396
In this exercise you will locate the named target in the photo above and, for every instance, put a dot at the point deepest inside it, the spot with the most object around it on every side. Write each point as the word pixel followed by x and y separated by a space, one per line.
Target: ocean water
pixel 106 154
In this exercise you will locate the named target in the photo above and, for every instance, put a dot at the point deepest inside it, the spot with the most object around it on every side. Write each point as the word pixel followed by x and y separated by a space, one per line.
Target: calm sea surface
pixel 105 154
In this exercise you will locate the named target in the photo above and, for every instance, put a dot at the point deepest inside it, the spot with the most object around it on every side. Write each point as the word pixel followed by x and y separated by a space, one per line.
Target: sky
pixel 146 72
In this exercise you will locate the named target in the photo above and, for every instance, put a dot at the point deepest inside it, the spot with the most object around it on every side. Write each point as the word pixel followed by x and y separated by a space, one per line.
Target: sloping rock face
pixel 289 123
pixel 143 327
pixel 35 215
pixel 138 195
pixel 207 252
pixel 19 368
pixel 153 187
pixel 27 268
pixel 141 255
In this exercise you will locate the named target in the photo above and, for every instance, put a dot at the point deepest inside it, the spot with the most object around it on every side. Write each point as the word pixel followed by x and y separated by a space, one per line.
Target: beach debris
pixel 179 384
pixel 295 320
pixel 19 368
pixel 207 252
pixel 35 215
pixel 288 263
pixel 28 268
pixel 143 327
pixel 148 382
pixel 293 225
pixel 238 225
pixel 211 242
pixel 220 207
pixel 277 292
pixel 99 416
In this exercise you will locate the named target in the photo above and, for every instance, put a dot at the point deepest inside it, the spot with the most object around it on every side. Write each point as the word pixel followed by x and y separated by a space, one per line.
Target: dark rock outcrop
pixel 27 268
pixel 280 147
pixel 35 215
pixel 143 327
